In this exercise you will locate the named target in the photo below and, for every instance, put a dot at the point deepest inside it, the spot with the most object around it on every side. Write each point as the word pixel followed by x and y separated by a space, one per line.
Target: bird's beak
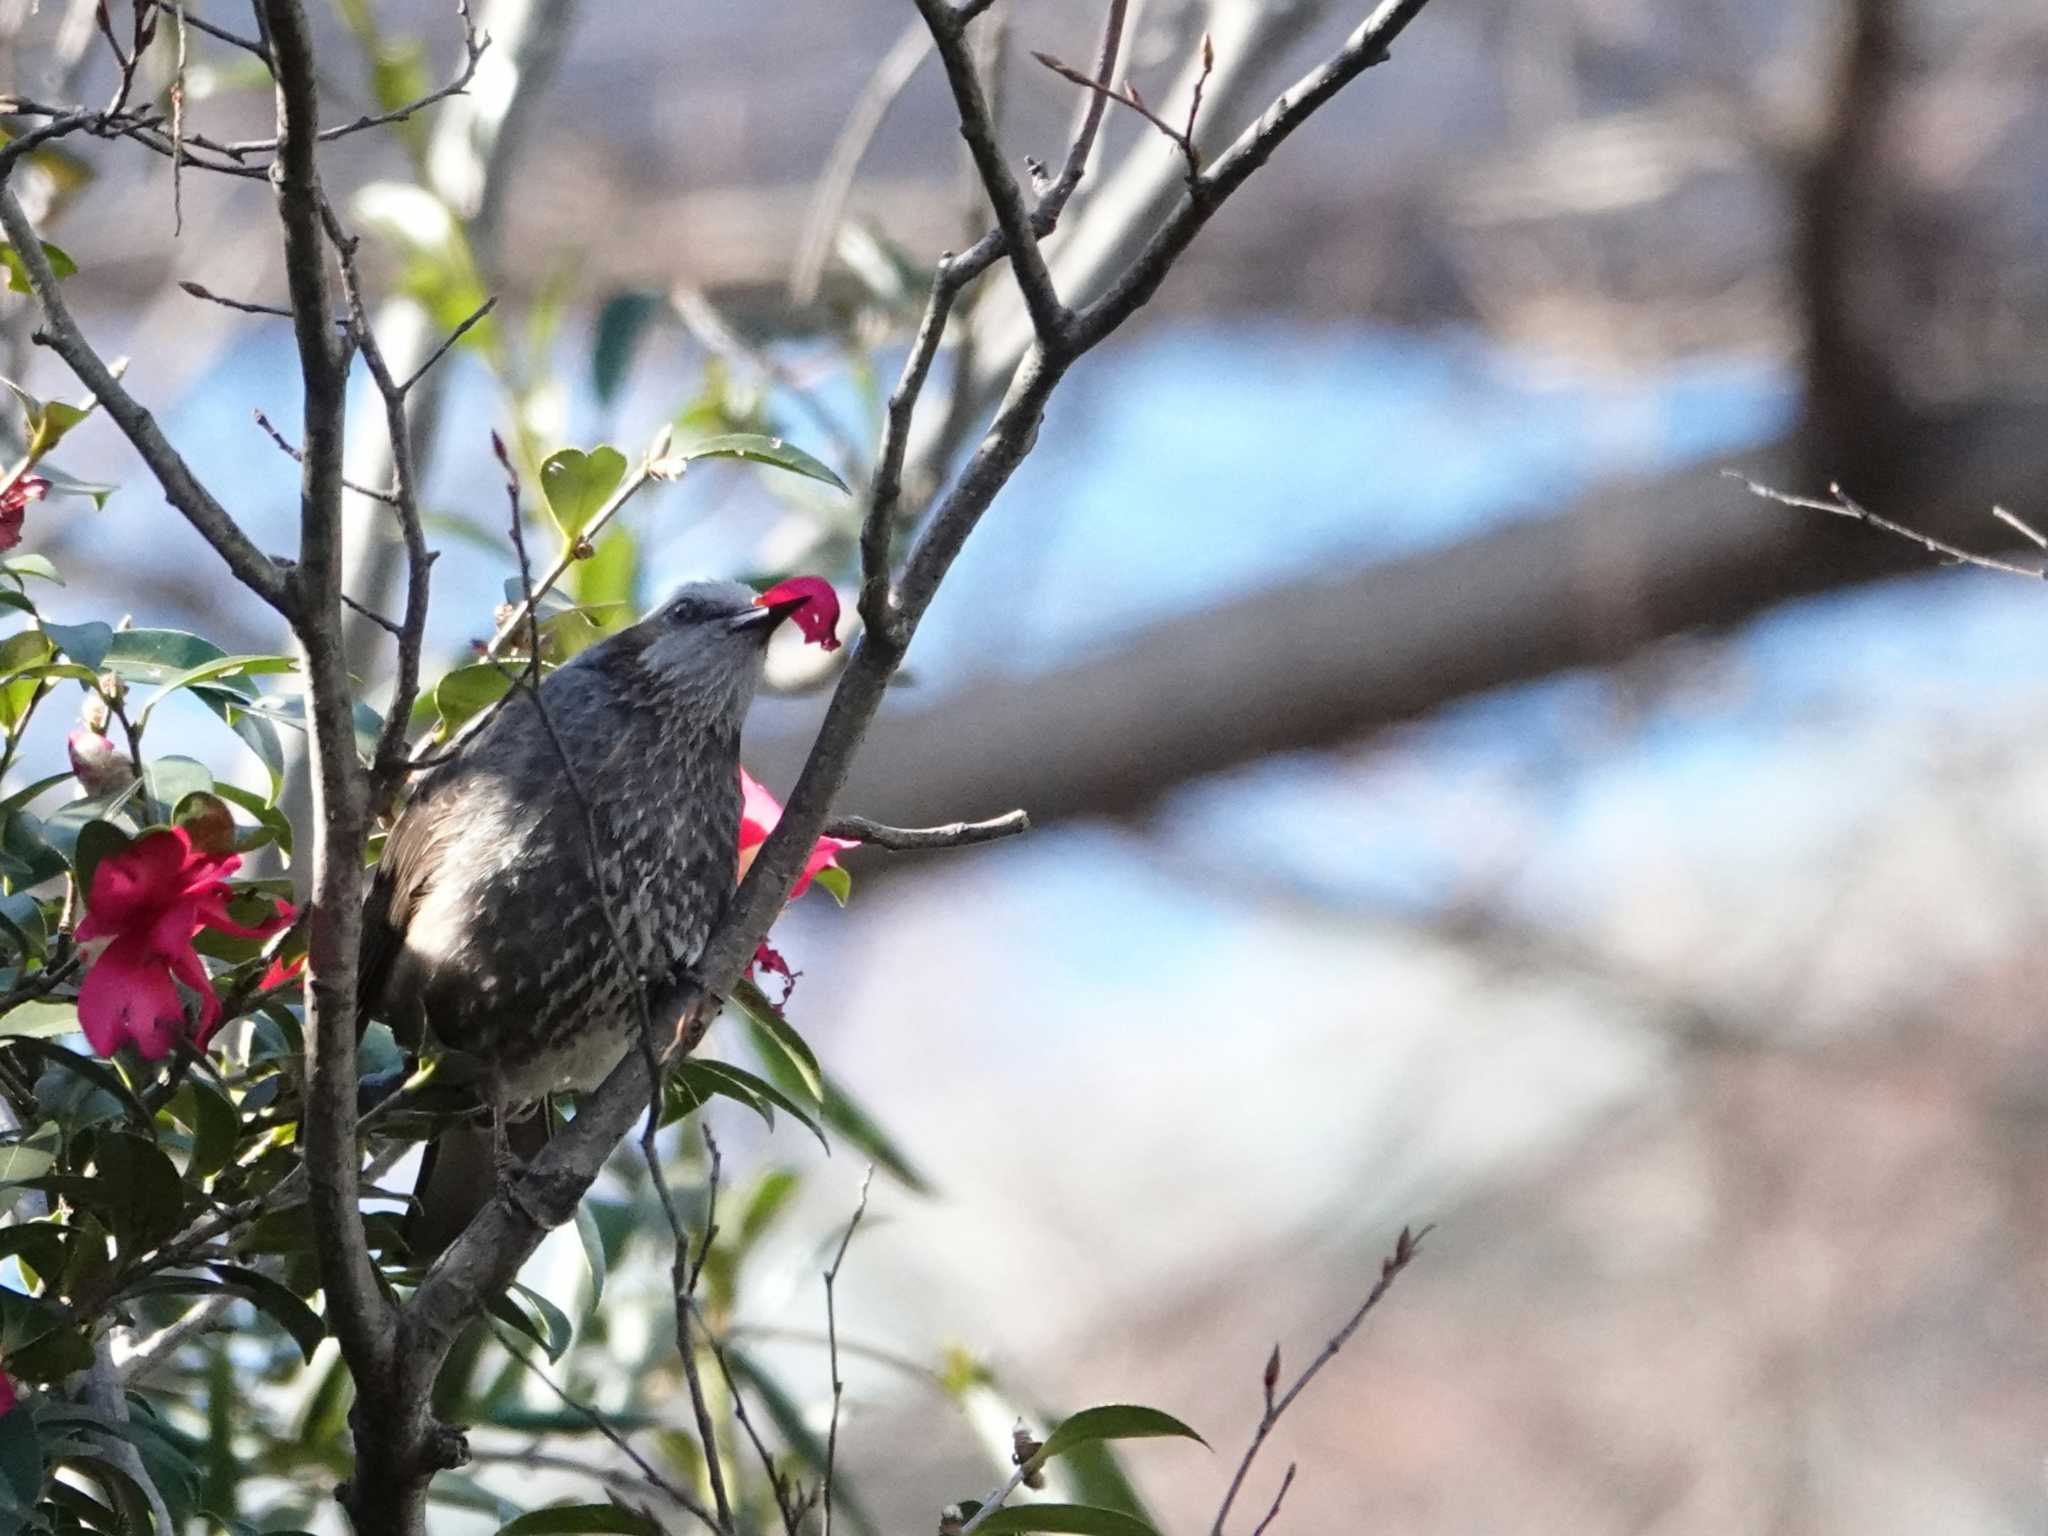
pixel 762 618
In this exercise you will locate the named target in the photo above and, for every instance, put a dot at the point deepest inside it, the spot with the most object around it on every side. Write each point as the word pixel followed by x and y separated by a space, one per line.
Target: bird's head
pixel 710 639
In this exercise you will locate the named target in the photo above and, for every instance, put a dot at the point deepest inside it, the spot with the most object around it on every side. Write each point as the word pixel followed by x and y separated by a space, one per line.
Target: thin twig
pixel 597 1421
pixel 860 1209
pixel 1049 317
pixel 1406 1247
pixel 1183 140
pixel 453 337
pixel 954 834
pixel 1273 1514
pixel 246 306
pixel 1844 506
pixel 389 498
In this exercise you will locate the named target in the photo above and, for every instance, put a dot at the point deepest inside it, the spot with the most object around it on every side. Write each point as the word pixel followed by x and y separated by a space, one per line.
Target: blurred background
pixel 1455 800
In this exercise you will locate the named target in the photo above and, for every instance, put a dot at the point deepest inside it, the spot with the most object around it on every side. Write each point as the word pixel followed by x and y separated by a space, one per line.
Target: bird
pixel 570 857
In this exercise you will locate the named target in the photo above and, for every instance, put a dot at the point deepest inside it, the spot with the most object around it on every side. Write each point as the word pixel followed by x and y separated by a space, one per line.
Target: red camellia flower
pixel 759 812
pixel 148 902
pixel 7 1398
pixel 818 617
pixel 14 502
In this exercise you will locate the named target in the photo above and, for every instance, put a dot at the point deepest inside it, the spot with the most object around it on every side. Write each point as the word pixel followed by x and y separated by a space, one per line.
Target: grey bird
pixel 486 923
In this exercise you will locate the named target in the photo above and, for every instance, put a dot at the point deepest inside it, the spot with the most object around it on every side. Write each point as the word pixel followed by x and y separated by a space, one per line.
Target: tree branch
pixel 954 834
pixel 361 1317
pixel 1406 1247
pixel 949 34
pixel 60 332
pixel 488 1254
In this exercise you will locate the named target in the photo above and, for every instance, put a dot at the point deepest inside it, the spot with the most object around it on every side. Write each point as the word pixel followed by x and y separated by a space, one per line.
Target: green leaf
pixel 286 1309
pixel 576 484
pixel 837 881
pixel 21 916
pixel 21 1462
pixel 207 671
pixel 703 1079
pixel 620 324
pixel 1077 1519
pixel 1113 1421
pixel 593 1250
pixel 848 1118
pixel 758 448
pixel 96 840
pixel 61 265
pixel 467 692
pixel 28 792
pixel 768 1199
pixel 139 1190
pixel 40 1019
pixel 160 655
pixel 20 1162
pixel 96 1073
pixel 85 644
pixel 32 565
pixel 276 826
pixel 58 418
pixel 570 1519
pixel 775 1035
pixel 171 779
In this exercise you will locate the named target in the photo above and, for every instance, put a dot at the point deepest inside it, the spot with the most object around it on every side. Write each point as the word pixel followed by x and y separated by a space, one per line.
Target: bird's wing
pixel 402 877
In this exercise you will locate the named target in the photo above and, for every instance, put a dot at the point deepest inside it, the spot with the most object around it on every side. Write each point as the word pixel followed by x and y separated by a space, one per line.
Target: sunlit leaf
pixel 759 448
pixel 61 265
pixel 577 484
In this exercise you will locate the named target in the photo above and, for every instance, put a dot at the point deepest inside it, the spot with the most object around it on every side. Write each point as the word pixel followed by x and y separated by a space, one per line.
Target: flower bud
pixel 100 767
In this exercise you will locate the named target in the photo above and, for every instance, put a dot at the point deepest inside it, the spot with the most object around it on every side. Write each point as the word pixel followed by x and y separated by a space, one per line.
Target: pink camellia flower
pixel 14 502
pixel 759 813
pixel 147 903
pixel 7 1396
pixel 818 617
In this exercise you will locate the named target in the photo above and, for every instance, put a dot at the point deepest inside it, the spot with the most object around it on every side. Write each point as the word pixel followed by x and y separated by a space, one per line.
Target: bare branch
pixel 389 498
pixel 1365 47
pixel 1181 139
pixel 1055 201
pixel 243 305
pixel 442 350
pixel 474 43
pixel 668 1487
pixel 1048 316
pixel 954 834
pixel 1273 1514
pixel 860 1209
pixel 60 332
pixel 1843 506
pixel 1406 1247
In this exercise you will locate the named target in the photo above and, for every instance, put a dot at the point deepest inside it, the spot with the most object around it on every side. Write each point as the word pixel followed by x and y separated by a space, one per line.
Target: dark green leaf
pixel 98 1073
pixel 21 1461
pixel 287 1310
pixel 560 1330
pixel 1112 1421
pixel 1077 1519
pixel 139 1190
pixel 96 840
pixel 736 1082
pixel 775 1035
pixel 570 1519
pixel 620 324
pixel 846 1116
pixel 758 448
pixel 20 1162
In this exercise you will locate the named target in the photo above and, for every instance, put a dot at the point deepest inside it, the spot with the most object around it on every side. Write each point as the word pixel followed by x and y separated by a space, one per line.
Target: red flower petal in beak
pixel 812 605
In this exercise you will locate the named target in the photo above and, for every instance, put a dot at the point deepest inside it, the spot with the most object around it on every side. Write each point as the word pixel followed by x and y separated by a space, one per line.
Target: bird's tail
pixel 458 1173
